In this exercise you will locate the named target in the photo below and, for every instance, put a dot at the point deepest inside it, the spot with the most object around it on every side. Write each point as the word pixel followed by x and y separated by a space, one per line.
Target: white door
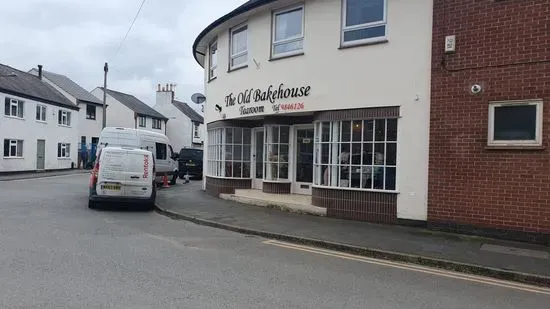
pixel 257 170
pixel 303 159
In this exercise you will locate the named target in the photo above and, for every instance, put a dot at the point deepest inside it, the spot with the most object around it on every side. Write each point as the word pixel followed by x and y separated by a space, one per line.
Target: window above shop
pixel 212 60
pixel 228 153
pixel 288 32
pixel 364 21
pixel 358 154
pixel 515 123
pixel 238 47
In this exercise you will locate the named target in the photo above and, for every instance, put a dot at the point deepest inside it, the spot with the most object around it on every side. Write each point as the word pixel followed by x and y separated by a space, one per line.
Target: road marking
pixel 412 267
pixel 45 177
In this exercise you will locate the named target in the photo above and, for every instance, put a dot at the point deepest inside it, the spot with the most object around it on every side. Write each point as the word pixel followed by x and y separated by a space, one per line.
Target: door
pixel 40 154
pixel 303 145
pixel 257 158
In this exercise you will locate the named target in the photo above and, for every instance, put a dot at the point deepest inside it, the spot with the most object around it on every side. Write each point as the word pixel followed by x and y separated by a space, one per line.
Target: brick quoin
pixel 504 46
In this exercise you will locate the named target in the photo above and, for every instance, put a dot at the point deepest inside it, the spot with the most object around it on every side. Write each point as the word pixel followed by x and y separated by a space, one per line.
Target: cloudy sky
pixel 76 37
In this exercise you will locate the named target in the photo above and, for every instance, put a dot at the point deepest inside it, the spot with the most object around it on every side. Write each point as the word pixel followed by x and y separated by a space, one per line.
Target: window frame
pixel 144 121
pixel 239 54
pixel 279 161
pixel 63 114
pixel 41 111
pixel 63 150
pixel 217 162
pixel 537 142
pixel 156 124
pixel 18 143
pixel 344 28
pixel 274 43
pixel 196 130
pixel 88 116
pixel 212 74
pixel 19 105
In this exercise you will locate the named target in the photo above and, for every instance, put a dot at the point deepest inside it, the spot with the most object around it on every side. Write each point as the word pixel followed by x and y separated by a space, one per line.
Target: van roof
pixel 131 149
pixel 146 132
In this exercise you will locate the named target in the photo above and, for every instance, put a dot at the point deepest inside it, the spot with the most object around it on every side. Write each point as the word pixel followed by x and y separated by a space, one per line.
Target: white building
pixel 323 98
pixel 90 113
pixel 186 126
pixel 38 125
pixel 125 110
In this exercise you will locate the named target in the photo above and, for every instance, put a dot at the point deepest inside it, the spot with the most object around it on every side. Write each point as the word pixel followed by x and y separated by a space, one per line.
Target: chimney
pixel 40 71
pixel 158 89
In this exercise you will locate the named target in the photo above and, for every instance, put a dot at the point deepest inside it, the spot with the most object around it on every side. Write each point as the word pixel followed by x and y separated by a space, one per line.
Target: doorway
pixel 303 145
pixel 257 158
pixel 40 154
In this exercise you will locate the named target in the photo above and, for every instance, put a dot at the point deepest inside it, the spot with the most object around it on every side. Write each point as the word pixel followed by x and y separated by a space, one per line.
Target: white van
pixel 157 143
pixel 123 174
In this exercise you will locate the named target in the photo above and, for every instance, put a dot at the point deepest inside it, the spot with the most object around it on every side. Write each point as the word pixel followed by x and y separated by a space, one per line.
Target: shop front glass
pixel 276 153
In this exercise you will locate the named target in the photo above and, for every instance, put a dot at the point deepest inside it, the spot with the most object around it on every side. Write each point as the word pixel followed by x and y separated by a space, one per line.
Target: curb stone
pixel 496 273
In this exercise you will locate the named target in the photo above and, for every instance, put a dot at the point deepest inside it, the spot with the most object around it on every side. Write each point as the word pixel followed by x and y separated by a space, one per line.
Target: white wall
pixel 29 130
pixel 118 115
pixel 396 73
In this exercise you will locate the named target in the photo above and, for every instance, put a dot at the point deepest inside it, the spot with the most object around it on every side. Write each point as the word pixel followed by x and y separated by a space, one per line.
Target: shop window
pixel 276 152
pixel 13 148
pixel 515 123
pixel 363 21
pixel 212 60
pixel 359 154
pixel 238 47
pixel 229 152
pixel 288 32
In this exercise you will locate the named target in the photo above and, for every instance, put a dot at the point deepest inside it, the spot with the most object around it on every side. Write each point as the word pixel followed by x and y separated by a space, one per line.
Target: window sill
pixel 63 125
pixel 91 119
pixel 212 79
pixel 274 58
pixel 13 158
pixel 514 147
pixel 222 177
pixel 64 159
pixel 237 68
pixel 355 189
pixel 14 117
pixel 277 181
pixel 359 44
pixel 41 121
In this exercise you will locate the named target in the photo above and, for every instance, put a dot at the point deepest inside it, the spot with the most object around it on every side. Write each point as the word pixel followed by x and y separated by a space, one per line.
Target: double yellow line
pixel 412 267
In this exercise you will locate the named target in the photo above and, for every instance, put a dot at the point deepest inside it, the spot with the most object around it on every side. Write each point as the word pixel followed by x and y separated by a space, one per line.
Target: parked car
pixel 123 174
pixel 157 143
pixel 190 162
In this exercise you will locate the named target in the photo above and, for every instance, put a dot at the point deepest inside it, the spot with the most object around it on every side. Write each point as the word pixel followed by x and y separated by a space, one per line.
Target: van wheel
pixel 173 180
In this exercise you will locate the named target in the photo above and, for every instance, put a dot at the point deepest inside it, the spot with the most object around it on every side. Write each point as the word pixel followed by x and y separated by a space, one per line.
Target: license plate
pixel 111 187
pixel 190 164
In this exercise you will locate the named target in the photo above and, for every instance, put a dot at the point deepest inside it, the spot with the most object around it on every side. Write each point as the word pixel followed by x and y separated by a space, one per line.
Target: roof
pixel 29 86
pixel 134 104
pixel 247 6
pixel 188 111
pixel 71 87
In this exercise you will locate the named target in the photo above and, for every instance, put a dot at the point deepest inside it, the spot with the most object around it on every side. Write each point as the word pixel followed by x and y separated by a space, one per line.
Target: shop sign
pixel 272 95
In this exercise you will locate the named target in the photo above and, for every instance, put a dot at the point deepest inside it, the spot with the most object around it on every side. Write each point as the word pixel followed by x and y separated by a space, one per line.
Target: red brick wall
pixel 505 47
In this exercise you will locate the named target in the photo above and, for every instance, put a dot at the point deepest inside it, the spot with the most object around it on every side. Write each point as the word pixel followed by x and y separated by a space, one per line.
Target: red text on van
pixel 145 166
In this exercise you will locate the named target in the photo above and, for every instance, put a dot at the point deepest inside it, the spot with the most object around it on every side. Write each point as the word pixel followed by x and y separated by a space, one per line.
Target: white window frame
pixel 156 124
pixel 275 163
pixel 212 68
pixel 64 150
pixel 65 118
pixel 289 40
pixel 196 130
pixel 345 28
pixel 18 143
pixel 239 54
pixel 41 110
pixel 19 105
pixel 144 121
pixel 217 162
pixel 537 142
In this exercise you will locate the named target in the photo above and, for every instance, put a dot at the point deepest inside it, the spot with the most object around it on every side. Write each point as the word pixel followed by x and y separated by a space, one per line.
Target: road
pixel 56 253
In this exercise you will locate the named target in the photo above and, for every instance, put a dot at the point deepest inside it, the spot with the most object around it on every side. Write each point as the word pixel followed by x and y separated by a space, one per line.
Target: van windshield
pixel 191 154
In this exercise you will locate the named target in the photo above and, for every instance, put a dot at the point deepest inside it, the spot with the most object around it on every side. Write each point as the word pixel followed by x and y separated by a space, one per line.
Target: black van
pixel 190 161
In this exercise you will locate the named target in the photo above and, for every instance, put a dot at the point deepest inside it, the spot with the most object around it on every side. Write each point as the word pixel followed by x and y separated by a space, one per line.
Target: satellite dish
pixel 198 98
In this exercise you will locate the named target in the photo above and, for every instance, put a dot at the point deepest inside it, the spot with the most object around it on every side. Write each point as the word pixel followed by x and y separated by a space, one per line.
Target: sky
pixel 76 37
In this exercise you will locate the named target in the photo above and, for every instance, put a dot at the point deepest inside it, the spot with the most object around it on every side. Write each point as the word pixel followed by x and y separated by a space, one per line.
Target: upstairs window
pixel 363 21
pixel 90 111
pixel 64 118
pixel 515 123
pixel 238 47
pixel 213 60
pixel 13 108
pixel 288 32
pixel 196 130
pixel 157 124
pixel 142 121
pixel 41 113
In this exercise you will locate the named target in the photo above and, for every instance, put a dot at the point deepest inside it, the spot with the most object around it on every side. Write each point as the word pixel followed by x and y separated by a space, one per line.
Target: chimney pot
pixel 40 71
pixel 158 87
pixel 166 86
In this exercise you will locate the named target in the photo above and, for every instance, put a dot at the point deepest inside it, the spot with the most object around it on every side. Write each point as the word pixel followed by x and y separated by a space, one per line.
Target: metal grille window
pixel 13 108
pixel 229 152
pixel 13 148
pixel 288 31
pixel 358 154
pixel 276 152
pixel 63 150
pixel 363 21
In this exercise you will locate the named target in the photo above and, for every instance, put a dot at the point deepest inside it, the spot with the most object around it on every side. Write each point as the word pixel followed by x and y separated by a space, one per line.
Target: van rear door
pixel 125 173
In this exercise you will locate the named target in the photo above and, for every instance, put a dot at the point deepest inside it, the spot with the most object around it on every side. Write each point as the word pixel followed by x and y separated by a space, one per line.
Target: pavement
pixel 57 253
pixel 507 260
pixel 45 174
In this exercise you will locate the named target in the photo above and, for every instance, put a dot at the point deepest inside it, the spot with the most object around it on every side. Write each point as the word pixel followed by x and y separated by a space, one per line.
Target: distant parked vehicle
pixel 157 143
pixel 123 174
pixel 190 162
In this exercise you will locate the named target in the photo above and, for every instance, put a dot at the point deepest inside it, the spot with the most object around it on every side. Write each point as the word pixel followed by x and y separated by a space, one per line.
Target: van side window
pixel 161 151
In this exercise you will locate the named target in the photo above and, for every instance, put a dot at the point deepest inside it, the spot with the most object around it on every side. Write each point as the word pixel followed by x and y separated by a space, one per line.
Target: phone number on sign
pixel 291 106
